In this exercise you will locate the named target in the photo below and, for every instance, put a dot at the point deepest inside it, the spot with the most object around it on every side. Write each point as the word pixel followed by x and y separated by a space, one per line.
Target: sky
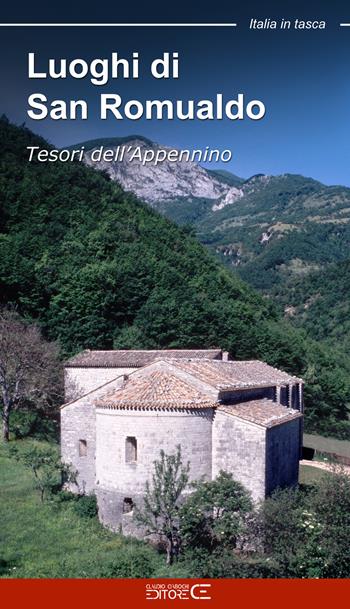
pixel 301 76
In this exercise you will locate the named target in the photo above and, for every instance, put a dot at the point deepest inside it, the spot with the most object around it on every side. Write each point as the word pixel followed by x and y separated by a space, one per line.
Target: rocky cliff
pixel 166 181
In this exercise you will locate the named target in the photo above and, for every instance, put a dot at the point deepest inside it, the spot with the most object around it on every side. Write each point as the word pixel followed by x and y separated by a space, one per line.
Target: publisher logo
pixel 178 591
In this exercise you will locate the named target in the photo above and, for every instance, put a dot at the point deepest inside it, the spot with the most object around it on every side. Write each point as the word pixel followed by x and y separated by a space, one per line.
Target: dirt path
pixel 328 467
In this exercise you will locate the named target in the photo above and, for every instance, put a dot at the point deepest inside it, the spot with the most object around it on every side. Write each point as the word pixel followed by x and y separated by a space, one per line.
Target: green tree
pixel 50 474
pixel 308 534
pixel 329 502
pixel 279 531
pixel 30 370
pixel 214 514
pixel 160 513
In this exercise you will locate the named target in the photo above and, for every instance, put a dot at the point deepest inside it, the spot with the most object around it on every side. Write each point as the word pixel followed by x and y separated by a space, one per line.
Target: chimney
pixel 225 356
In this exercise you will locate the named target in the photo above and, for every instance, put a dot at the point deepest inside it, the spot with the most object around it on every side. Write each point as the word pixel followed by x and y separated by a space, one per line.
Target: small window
pixel 130 449
pixel 82 448
pixel 128 505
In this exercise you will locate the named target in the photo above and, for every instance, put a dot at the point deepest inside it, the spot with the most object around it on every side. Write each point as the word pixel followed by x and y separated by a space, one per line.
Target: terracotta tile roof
pixel 135 359
pixel 262 412
pixel 158 389
pixel 235 375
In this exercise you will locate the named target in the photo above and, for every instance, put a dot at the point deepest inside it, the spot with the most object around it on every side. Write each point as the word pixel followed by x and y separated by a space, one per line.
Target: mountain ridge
pixel 168 181
pixel 109 141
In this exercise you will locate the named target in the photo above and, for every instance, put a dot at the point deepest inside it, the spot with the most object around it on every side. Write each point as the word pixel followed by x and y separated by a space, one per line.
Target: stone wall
pixel 79 381
pixel 117 479
pixel 78 422
pixel 110 511
pixel 239 448
pixel 282 455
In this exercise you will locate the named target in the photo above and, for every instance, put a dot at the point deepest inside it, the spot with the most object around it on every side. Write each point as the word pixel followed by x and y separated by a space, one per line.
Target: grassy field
pixel 52 540
pixel 329 445
pixel 309 475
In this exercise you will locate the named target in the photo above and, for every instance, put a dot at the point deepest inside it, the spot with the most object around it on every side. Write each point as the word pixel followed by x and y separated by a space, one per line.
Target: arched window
pixel 130 449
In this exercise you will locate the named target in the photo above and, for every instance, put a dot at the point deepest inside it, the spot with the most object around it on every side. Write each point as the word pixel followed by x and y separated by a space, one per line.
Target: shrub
pixel 223 562
pixel 328 427
pixel 64 496
pixel 135 561
pixel 34 424
pixel 86 506
pixel 329 501
pixel 280 528
pixel 214 515
pixel 8 566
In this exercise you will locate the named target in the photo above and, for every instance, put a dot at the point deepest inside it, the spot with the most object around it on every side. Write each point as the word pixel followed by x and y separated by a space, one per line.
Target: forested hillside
pixel 98 269
pixel 289 237
pixel 320 303
pixel 274 231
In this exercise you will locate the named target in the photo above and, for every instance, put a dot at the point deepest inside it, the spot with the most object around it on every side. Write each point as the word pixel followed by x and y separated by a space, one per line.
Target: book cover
pixel 175 300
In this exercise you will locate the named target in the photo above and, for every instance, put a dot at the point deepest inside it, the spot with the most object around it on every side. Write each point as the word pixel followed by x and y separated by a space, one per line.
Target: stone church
pixel 123 407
